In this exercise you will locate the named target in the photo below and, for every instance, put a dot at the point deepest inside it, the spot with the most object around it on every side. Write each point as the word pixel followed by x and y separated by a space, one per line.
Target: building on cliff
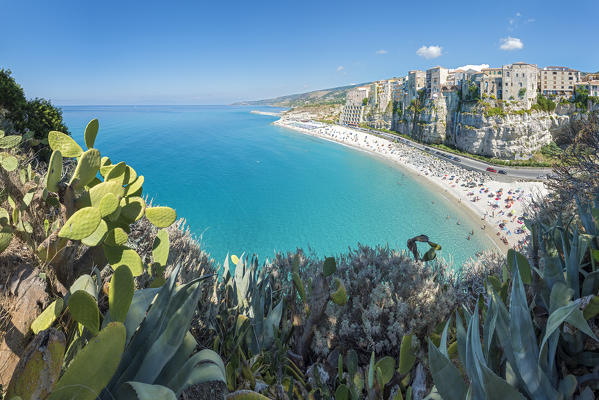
pixel 354 106
pixel 558 81
pixel 520 83
pixel 416 81
pixel 591 86
pixel 436 78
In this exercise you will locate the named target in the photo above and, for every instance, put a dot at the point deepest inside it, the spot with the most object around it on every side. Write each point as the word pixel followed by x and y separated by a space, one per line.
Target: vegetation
pixel 544 104
pixel 34 117
pixel 538 159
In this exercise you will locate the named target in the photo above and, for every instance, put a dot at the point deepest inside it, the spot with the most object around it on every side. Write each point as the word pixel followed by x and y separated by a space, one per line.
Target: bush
pixel 544 104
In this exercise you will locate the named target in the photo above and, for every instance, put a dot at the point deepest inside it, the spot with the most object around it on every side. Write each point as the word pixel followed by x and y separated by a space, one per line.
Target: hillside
pixel 330 96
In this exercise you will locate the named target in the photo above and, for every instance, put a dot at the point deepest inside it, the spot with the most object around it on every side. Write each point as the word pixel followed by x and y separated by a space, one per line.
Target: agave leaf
pixel 173 367
pixel 371 372
pixel 199 368
pixel 146 391
pixel 497 388
pixel 515 259
pixel 447 377
pixel 461 337
pixel 273 319
pixel 137 309
pixel 169 340
pixel 93 366
pixel 525 346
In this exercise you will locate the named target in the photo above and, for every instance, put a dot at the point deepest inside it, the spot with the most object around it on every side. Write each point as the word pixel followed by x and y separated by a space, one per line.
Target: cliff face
pixel 472 128
pixel 509 136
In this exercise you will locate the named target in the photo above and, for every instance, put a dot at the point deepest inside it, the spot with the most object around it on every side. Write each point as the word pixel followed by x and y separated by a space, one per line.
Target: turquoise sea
pixel 245 185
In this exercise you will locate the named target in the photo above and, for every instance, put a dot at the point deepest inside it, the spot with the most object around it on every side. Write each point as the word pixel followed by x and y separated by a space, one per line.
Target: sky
pixel 219 52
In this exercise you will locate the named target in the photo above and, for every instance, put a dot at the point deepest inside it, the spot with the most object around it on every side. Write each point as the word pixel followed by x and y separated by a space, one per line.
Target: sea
pixel 244 185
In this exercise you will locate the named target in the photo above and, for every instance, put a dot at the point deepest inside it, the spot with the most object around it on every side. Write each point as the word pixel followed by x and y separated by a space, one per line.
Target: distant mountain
pixel 325 96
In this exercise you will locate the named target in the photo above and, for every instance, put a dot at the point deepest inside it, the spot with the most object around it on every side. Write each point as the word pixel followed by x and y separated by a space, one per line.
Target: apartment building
pixel 520 83
pixel 490 83
pixel 436 78
pixel 591 86
pixel 353 109
pixel 416 81
pixel 558 81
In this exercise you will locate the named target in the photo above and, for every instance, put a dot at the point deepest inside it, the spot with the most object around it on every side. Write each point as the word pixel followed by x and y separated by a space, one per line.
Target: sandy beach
pixel 499 206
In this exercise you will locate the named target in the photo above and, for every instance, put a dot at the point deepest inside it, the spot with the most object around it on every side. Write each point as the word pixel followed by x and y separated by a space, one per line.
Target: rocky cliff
pixel 486 128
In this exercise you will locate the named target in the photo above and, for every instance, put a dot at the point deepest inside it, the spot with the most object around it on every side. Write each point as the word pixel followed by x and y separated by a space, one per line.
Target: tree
pixel 37 115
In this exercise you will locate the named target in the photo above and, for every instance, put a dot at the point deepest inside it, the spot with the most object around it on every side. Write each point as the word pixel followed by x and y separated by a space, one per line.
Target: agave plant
pixel 141 350
pixel 522 353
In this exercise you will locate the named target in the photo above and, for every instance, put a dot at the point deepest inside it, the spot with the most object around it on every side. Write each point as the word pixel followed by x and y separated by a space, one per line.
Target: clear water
pixel 246 185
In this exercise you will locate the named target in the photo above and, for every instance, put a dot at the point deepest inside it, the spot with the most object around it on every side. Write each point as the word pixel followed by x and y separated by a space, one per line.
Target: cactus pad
pixel 97 193
pixel 121 293
pixel 8 162
pixel 81 224
pixel 132 208
pixel 54 171
pixel 161 217
pixel 329 267
pixel 8 142
pixel 160 248
pixel 48 316
pixel 98 236
pixel 1 133
pixel 340 295
pixel 108 204
pixel 135 188
pixel 67 146
pixel 91 130
pixel 120 255
pixel 4 217
pixel 83 309
pixel 5 238
pixel 39 367
pixel 387 367
pixel 116 237
pixel 118 173
pixel 87 168
pixel 93 366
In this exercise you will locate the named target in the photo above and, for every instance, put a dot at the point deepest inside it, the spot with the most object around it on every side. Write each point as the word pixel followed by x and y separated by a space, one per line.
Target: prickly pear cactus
pixel 87 168
pixel 161 217
pixel 8 142
pixel 39 367
pixel 64 143
pixel 83 309
pixel 340 295
pixel 120 293
pixel 48 316
pixel 91 131
pixel 54 171
pixel 81 224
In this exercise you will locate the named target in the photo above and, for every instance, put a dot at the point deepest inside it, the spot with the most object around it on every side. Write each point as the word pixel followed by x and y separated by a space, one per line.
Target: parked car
pixel 456 159
pixel 502 172
pixel 491 169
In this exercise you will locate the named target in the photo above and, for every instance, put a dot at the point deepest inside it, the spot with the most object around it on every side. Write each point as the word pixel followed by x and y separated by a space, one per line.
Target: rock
pixel 26 299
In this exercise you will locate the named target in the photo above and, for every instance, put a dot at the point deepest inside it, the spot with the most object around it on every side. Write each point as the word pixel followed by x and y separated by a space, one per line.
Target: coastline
pixel 496 220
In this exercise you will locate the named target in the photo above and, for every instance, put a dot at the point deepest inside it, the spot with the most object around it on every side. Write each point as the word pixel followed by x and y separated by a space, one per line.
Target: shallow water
pixel 246 185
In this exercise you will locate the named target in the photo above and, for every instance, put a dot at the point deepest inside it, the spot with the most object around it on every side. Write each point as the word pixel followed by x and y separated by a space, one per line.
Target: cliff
pixel 487 128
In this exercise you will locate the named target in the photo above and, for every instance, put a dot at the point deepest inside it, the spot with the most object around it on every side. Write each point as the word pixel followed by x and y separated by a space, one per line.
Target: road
pixel 511 173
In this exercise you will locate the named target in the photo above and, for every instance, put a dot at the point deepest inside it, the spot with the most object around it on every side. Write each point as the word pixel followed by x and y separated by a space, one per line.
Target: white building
pixel 591 86
pixel 520 83
pixel 558 81
pixel 436 78
pixel 354 106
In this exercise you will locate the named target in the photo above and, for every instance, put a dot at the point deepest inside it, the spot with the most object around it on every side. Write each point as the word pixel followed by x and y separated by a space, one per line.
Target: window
pixel 520 84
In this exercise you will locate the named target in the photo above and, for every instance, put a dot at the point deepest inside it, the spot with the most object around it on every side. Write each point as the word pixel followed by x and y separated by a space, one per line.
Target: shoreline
pixel 495 220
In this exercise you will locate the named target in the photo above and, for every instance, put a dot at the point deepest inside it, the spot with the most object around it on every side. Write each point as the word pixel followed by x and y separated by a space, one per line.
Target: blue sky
pixel 218 52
